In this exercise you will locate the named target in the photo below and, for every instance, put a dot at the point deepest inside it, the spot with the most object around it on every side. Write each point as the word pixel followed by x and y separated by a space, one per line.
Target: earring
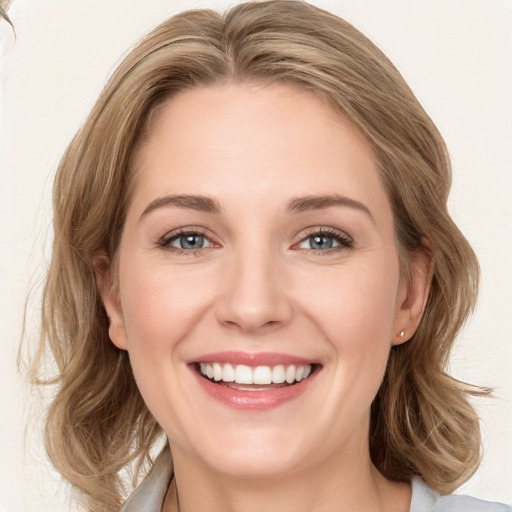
pixel 402 335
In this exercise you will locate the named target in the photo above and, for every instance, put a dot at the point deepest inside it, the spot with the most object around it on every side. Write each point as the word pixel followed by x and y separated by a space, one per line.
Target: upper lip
pixel 252 358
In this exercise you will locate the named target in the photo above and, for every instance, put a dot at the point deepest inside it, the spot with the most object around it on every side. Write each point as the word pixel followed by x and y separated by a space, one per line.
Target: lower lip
pixel 254 400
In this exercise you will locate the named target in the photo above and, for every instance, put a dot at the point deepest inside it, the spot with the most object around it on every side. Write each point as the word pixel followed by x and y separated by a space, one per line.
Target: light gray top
pixel 427 500
pixel 150 495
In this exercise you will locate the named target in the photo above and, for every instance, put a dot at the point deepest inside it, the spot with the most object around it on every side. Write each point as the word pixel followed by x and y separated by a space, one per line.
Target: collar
pixel 150 494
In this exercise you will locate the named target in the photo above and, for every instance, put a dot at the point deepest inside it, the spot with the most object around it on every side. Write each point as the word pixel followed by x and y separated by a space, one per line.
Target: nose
pixel 254 294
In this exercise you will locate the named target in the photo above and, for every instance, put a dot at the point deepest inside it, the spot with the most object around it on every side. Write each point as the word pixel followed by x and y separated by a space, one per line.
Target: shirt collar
pixel 150 494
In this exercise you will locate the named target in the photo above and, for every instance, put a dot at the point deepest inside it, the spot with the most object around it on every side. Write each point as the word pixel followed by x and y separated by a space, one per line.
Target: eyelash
pixel 344 241
pixel 166 240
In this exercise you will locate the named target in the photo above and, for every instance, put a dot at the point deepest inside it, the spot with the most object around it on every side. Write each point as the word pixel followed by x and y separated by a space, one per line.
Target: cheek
pixel 160 307
pixel 355 305
pixel 355 310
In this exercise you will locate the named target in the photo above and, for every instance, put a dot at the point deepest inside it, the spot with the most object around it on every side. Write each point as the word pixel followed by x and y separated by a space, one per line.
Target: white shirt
pixel 150 494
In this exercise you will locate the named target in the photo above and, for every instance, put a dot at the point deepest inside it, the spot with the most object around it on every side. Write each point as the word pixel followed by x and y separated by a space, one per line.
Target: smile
pixel 248 381
pixel 262 376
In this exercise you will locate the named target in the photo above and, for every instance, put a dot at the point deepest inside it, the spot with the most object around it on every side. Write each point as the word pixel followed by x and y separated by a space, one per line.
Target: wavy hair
pixel 422 422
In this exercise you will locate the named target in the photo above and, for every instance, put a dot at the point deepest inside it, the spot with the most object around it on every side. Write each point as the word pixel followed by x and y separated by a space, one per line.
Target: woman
pixel 253 257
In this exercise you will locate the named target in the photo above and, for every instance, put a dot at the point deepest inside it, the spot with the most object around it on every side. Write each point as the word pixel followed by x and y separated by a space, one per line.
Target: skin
pixel 258 284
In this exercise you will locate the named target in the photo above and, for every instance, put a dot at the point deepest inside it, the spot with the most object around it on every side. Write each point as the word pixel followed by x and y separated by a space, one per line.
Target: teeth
pixel 261 375
pixel 291 374
pixel 217 371
pixel 278 374
pixel 243 374
pixel 228 373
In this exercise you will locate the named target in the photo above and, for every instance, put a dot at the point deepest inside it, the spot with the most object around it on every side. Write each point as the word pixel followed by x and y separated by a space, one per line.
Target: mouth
pixel 255 378
pixel 256 382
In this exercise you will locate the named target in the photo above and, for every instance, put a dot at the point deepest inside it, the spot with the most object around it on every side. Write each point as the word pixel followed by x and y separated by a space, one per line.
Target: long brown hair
pixel 422 422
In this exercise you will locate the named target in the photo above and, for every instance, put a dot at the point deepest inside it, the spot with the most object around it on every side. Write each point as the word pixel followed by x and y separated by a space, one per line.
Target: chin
pixel 248 453
pixel 254 465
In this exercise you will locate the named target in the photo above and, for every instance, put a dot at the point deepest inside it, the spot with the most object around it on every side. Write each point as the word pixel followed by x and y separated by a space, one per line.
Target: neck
pixel 334 487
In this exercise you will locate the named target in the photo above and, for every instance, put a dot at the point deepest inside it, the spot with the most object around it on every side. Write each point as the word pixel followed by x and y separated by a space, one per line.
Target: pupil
pixel 321 242
pixel 191 241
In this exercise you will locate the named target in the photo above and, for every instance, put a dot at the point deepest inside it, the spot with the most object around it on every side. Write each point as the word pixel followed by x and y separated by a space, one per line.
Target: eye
pixel 185 241
pixel 188 241
pixel 325 240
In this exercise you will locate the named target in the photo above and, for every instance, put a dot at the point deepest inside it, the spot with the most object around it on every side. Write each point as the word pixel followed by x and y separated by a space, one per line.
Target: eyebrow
pixel 320 202
pixel 199 203
pixel 296 205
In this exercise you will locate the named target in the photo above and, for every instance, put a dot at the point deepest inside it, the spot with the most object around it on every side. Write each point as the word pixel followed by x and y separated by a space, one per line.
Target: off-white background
pixel 456 55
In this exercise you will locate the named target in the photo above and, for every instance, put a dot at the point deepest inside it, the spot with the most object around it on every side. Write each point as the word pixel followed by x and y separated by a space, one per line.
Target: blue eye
pixel 323 242
pixel 187 241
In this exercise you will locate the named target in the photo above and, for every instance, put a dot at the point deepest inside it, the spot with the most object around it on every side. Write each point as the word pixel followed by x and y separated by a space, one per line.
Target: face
pixel 259 286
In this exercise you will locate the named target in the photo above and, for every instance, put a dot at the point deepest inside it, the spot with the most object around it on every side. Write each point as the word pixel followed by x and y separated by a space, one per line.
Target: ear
pixel 109 293
pixel 413 293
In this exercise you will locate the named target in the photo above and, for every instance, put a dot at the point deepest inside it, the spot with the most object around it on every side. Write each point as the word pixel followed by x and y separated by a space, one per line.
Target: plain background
pixel 455 54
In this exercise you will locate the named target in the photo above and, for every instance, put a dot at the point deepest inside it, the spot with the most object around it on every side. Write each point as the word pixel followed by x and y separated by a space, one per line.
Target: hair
pixel 422 422
pixel 4 8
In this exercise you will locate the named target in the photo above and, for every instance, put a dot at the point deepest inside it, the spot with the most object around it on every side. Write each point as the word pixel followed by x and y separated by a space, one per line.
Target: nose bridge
pixel 254 291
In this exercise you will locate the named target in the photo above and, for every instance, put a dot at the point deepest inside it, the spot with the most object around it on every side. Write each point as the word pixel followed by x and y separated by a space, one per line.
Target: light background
pixel 455 54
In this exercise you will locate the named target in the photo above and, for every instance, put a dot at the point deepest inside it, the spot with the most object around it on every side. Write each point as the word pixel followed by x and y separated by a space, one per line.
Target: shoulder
pixel 427 500
pixel 468 504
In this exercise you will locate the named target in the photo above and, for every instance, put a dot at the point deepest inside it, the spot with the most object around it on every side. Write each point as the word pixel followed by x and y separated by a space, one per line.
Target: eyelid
pixel 165 240
pixel 345 241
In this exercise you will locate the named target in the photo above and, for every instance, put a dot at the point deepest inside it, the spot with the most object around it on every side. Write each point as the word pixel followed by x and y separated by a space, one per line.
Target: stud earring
pixel 402 335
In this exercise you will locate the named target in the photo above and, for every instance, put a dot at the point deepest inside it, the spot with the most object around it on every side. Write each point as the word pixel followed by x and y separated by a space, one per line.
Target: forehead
pixel 236 140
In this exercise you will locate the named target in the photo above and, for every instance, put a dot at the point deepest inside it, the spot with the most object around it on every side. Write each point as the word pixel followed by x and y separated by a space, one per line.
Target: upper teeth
pixel 242 374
